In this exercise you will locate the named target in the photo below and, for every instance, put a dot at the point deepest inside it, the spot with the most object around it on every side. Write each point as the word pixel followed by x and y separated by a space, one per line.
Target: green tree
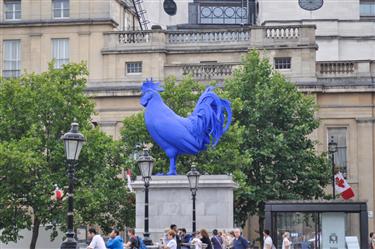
pixel 277 120
pixel 35 110
pixel 182 97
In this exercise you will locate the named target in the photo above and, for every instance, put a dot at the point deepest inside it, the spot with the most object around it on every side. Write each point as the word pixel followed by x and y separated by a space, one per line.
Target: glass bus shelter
pixel 318 224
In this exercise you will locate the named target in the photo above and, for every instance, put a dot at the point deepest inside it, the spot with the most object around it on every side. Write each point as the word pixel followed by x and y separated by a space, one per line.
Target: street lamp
pixel 73 142
pixel 145 164
pixel 193 177
pixel 332 149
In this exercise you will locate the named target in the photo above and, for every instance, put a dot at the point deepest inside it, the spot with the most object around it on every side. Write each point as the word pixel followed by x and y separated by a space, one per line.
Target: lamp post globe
pixel 332 149
pixel 193 178
pixel 73 142
pixel 146 164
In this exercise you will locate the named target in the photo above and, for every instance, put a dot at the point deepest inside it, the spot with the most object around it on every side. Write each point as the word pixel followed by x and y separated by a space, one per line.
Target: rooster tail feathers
pixel 212 112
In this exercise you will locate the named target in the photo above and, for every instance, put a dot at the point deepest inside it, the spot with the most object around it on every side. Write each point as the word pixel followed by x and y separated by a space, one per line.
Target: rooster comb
pixel 151 85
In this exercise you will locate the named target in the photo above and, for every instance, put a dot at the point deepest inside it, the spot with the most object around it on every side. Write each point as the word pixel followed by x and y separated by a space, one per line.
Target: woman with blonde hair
pixel 286 241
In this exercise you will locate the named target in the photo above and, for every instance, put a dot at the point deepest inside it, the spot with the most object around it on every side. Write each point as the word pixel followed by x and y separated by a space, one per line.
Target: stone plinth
pixel 170 202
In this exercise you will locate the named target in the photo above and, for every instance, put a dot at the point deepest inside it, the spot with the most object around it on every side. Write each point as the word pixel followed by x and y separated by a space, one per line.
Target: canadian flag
pixel 342 187
pixel 128 175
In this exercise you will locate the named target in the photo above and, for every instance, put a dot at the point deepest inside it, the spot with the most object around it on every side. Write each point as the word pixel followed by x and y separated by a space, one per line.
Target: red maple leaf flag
pixel 342 187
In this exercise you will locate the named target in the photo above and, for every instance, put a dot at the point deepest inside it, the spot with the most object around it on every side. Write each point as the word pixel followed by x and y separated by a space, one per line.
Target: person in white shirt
pixel 196 241
pixel 172 244
pixel 286 241
pixel 97 241
pixel 267 243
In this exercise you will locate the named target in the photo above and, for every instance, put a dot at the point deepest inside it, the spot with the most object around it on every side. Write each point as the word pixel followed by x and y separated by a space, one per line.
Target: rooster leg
pixel 172 166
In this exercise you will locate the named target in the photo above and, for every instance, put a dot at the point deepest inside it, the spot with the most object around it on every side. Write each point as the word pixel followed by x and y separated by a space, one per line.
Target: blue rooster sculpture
pixel 177 135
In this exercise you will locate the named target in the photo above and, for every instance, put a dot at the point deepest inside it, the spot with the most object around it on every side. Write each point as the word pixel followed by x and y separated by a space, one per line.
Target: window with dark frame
pixel 340 157
pixel 210 14
pixel 282 63
pixel 134 67
pixel 12 10
pixel 367 8
pixel 60 9
pixel 11 58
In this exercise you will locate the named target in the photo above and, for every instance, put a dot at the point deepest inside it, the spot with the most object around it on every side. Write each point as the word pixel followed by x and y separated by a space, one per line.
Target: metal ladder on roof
pixel 141 14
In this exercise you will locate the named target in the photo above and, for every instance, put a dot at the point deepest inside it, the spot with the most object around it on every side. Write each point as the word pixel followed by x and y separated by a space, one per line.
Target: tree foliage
pixel 35 110
pixel 277 120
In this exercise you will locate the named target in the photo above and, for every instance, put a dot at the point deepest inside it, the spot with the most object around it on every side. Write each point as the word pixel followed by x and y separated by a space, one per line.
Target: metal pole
pixel 333 175
pixel 70 242
pixel 194 219
pixel 146 234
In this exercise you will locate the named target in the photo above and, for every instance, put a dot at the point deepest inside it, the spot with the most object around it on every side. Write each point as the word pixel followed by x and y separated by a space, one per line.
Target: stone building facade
pixel 328 53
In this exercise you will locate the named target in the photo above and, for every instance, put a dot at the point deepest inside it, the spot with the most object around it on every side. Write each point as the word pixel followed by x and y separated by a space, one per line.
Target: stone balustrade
pixel 183 37
pixel 282 32
pixel 336 67
pixel 208 71
pixel 134 37
pixel 235 38
pixel 345 69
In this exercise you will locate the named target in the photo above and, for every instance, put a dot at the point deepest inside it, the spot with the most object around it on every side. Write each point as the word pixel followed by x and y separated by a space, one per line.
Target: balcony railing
pixel 207 36
pixel 236 38
pixel 202 71
pixel 345 69
pixel 337 67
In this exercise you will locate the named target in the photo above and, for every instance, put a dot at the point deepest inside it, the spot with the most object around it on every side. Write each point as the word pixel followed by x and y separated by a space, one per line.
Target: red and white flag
pixel 342 187
pixel 128 177
pixel 58 193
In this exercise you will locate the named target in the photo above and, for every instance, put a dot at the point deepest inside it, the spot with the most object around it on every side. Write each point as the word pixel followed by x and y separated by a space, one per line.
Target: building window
pixel 223 15
pixel 282 63
pixel 11 58
pixel 12 10
pixel 134 67
pixel 339 137
pixel 367 8
pixel 60 52
pixel 60 8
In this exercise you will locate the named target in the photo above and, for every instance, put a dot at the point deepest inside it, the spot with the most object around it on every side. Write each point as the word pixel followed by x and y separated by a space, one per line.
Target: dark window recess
pixel 134 67
pixel 282 63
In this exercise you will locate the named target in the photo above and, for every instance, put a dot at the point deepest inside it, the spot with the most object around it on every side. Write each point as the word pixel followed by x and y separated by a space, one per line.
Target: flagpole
pixel 333 175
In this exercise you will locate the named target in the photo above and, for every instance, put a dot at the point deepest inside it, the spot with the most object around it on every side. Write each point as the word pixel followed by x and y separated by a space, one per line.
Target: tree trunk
pixel 261 229
pixel 35 235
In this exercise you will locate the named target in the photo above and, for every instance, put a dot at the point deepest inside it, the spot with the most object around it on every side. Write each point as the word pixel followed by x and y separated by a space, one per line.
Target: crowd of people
pixel 174 238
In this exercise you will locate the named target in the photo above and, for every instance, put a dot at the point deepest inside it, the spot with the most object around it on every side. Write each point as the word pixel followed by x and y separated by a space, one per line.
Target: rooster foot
pixel 172 173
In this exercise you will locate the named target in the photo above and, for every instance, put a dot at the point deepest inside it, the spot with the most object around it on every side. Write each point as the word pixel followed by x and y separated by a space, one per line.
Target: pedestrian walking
pixel 172 244
pixel 205 238
pixel 133 242
pixel 216 240
pixel 267 242
pixel 177 238
pixel 286 241
pixel 372 241
pixel 97 241
pixel 184 238
pixel 239 241
pixel 115 241
pixel 196 241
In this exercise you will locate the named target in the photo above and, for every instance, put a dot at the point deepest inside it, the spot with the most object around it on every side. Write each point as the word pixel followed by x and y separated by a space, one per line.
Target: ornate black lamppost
pixel 145 164
pixel 332 149
pixel 73 142
pixel 193 177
